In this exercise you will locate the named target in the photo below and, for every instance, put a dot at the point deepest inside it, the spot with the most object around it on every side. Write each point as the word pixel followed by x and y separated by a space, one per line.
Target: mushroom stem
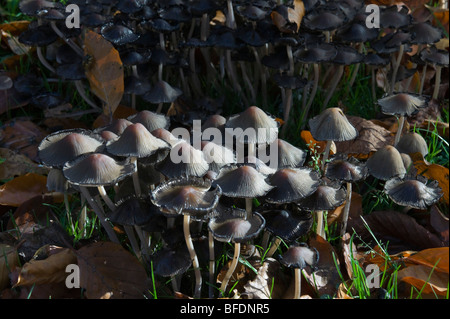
pixel 135 176
pixel 334 82
pixel 195 80
pixel 401 122
pixel 231 23
pixel 100 214
pixel 298 283
pixel 69 41
pixel 190 247
pixel 326 154
pixel 263 76
pixel 248 207
pixel 251 147
pixel 226 279
pixel 437 82
pixel 265 240
pixel 233 77
pixel 43 60
pixel 422 80
pixel 320 229
pixel 211 264
pixel 314 90
pixel 346 209
pixel 248 82
pixel 80 88
pixel 82 217
pixel 287 109
pixel 274 247
pixel 395 69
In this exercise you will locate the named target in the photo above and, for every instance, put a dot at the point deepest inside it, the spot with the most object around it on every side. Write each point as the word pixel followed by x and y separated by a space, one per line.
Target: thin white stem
pixel 43 60
pixel 401 123
pixel 437 82
pixel 298 283
pixel 395 69
pixel 346 209
pixel 320 229
pixel 80 88
pixel 334 83
pixel 326 154
pixel 276 243
pixel 135 176
pixel 193 255
pixel 226 279
pixel 211 264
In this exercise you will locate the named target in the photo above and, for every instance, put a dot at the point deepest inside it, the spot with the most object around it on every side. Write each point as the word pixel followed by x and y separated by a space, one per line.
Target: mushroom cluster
pixel 241 180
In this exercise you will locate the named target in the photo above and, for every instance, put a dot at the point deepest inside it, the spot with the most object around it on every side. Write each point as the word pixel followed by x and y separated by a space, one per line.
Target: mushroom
pixel 242 181
pixel 288 155
pixel 287 225
pixel 217 156
pixel 331 125
pixel 136 142
pixel 97 170
pixel 438 58
pixel 402 104
pixel 413 191
pixel 162 92
pixel 233 225
pixel 386 163
pixel 298 257
pixel 191 197
pixel 325 198
pixel 347 170
pixel 412 142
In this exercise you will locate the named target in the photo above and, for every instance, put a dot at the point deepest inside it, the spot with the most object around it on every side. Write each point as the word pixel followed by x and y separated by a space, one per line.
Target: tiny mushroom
pixel 298 257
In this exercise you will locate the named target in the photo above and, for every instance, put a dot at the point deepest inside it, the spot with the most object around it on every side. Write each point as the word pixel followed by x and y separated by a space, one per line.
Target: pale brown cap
pixel 332 125
pixel 386 163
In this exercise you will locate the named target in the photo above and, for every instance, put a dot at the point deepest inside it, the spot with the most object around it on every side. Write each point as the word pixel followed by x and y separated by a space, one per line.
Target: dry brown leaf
pixel 422 278
pixel 284 20
pixel 355 211
pixel 17 164
pixel 108 271
pixel 9 259
pixel 432 257
pixel 440 223
pixel 433 172
pixel 267 283
pixel 105 73
pixel 371 137
pixel 49 270
pixel 314 145
pixel 240 274
pixel 22 188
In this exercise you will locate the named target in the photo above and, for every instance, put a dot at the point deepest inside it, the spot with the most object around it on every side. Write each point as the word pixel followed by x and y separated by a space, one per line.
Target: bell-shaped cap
pixel 118 34
pixel 233 226
pixel 136 141
pixel 217 156
pixel 288 155
pixel 300 256
pixel 332 125
pixel 183 160
pixel 402 104
pixel 425 33
pixel 316 53
pixel 169 262
pixel 412 142
pixel 325 197
pixel 253 125
pixel 413 191
pixel 242 181
pixel 96 169
pixel 150 120
pixel 162 92
pixel 345 169
pixel 292 184
pixel 386 163
pixel 65 145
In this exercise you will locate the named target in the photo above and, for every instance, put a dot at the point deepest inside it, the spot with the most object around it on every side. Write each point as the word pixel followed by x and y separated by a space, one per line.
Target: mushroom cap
pixel 425 33
pixel 324 198
pixel 347 170
pixel 286 224
pixel 347 55
pixel 232 225
pixel 356 32
pixel 117 126
pixel 133 210
pixel 392 17
pixel 299 256
pixel 324 19
pixel 332 125
pixel 433 55
pixel 322 52
pixel 242 181
pixel 412 142
pixel 259 165
pixel 130 6
pixel 217 156
pixel 162 92
pixel 166 135
pixel 71 71
pixel 56 181
pixel 289 82
pixel 375 60
pixel 186 195
pixel 38 36
pixel 292 184
pixel 403 104
pixel 96 169
pixel 136 141
pixel 59 147
pixel 118 34
pixel 170 262
pixel 386 163
pixel 413 191
pixel 287 154
pixel 32 7
pixel 253 125
pixel 150 120
pixel 183 160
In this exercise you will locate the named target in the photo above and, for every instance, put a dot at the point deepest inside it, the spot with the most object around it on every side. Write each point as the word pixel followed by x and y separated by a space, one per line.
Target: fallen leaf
pixel 9 259
pixel 49 270
pixel 440 224
pixel 355 210
pixel 105 73
pixel 109 271
pixel 424 279
pixel 399 229
pixel 371 137
pixel 436 258
pixel 314 145
pixel 22 188
pixel 433 172
pixel 14 165
pixel 286 17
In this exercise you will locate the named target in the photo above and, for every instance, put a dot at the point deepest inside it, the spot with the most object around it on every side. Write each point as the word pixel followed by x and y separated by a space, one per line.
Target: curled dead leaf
pixel 22 188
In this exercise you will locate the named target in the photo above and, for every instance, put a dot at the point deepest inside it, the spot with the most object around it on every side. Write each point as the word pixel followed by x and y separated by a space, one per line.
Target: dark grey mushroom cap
pixel 286 224
pixel 299 256
pixel 386 163
pixel 118 34
pixel 346 169
pixel 96 169
pixel 332 125
pixel 171 262
pixel 232 226
pixel 413 191
pixel 292 184
pixel 403 104
pixel 412 143
pixel 324 198
pixel 162 92
pixel 133 210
